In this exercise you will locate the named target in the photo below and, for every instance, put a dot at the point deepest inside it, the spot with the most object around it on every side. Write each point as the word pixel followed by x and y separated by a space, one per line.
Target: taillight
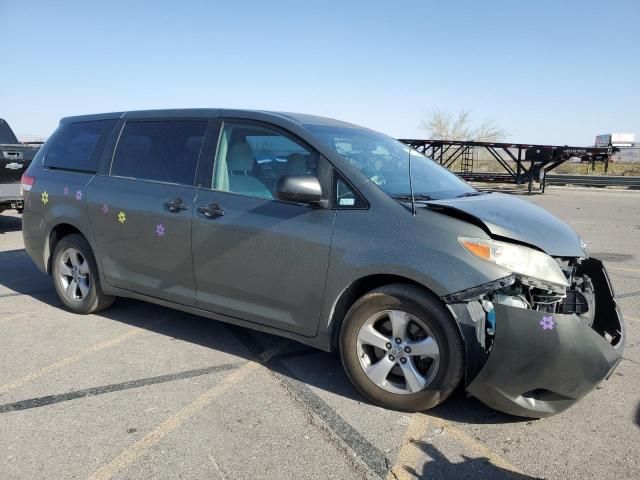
pixel 27 182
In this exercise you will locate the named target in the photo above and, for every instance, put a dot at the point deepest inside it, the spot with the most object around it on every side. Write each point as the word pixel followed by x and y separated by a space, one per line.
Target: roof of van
pixel 300 118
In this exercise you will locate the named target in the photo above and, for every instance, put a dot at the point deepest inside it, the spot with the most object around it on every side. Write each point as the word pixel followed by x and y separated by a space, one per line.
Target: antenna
pixel 413 200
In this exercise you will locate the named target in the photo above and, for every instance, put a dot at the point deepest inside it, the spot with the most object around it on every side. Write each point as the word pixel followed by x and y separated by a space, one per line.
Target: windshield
pixel 385 161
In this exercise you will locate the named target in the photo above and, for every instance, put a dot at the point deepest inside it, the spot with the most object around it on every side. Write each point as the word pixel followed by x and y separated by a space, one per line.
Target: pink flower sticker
pixel 79 195
pixel 66 190
pixel 105 209
pixel 547 322
pixel 160 230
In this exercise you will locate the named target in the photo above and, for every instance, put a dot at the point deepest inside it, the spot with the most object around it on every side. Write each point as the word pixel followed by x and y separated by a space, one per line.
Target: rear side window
pixel 163 151
pixel 76 146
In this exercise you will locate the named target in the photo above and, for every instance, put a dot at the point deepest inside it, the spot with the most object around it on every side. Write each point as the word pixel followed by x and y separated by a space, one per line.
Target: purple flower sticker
pixel 160 230
pixel 105 209
pixel 66 190
pixel 79 195
pixel 547 322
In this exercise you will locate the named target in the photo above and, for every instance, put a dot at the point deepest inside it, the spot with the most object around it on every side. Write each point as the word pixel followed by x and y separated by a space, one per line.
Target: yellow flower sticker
pixel 122 217
pixel 45 197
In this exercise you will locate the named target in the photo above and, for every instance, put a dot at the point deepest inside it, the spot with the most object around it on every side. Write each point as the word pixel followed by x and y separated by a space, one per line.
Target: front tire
pixel 75 276
pixel 401 349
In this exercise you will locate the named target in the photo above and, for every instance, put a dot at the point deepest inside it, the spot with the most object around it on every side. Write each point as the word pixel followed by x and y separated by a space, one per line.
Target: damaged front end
pixel 535 348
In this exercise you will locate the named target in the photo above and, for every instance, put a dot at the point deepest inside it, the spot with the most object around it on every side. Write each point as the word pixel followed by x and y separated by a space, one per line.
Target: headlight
pixel 530 263
pixel 583 245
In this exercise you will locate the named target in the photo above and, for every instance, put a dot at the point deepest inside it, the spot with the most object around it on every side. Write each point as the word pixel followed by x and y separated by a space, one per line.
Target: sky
pixel 552 72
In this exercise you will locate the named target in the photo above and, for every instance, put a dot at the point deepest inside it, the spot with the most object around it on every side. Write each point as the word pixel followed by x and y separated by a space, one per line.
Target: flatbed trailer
pixel 523 162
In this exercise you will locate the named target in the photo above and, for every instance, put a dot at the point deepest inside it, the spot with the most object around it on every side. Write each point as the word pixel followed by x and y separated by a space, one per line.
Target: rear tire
pixel 411 371
pixel 75 276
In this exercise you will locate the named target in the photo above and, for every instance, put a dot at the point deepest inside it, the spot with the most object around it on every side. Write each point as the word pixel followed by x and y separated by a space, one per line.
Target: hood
pixel 510 217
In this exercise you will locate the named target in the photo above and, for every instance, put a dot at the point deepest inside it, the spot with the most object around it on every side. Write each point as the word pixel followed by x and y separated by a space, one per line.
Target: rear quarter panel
pixel 57 197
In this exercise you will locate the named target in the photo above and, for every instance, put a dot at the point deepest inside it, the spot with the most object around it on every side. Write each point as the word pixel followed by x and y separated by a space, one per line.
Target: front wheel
pixel 401 348
pixel 75 276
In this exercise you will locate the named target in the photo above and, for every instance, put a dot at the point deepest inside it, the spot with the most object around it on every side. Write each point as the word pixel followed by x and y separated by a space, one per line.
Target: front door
pixel 255 257
pixel 141 212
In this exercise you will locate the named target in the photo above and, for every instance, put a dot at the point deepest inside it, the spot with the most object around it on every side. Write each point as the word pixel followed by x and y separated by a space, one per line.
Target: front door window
pixel 250 160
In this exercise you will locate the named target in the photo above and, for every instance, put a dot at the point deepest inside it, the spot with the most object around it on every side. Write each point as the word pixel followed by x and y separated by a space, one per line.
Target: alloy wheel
pixel 397 352
pixel 74 275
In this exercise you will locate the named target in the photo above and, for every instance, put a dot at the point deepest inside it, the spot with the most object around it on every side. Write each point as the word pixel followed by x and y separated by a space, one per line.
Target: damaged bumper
pixel 541 363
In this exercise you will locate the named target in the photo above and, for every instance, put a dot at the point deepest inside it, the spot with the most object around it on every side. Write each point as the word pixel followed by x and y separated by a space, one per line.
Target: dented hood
pixel 512 218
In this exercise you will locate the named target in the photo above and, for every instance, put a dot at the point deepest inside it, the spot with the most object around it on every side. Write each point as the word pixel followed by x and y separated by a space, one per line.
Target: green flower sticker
pixel 45 197
pixel 122 217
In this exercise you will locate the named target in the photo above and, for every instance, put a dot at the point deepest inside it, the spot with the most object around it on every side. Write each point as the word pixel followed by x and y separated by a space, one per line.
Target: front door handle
pixel 175 205
pixel 212 210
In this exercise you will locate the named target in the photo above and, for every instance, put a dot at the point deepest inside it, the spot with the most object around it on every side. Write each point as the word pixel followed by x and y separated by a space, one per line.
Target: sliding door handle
pixel 175 205
pixel 212 210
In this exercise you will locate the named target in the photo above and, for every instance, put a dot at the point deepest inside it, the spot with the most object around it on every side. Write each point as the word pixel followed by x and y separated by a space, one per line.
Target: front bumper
pixel 542 363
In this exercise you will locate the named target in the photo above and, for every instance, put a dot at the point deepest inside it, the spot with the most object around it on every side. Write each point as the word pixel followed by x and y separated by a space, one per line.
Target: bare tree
pixel 444 126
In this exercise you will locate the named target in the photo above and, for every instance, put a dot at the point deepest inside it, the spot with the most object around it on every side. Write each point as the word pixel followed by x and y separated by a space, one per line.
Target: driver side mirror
pixel 299 189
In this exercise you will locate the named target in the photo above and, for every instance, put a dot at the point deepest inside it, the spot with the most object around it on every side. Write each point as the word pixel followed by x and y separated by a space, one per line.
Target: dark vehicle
pixel 15 157
pixel 315 230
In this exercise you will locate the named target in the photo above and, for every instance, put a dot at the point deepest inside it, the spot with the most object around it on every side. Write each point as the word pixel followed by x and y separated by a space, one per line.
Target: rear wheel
pixel 401 348
pixel 75 276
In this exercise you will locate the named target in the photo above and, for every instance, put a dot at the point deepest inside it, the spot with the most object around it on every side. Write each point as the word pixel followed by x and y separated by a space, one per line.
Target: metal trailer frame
pixel 446 152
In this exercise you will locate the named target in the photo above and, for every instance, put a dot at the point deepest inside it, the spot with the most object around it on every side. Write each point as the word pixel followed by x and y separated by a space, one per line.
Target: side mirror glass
pixel 299 188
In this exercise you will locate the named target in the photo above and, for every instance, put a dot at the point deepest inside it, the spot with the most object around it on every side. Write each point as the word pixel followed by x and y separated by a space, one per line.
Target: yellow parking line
pixel 635 270
pixel 480 448
pixel 135 451
pixel 72 359
pixel 11 316
pixel 14 316
pixel 410 455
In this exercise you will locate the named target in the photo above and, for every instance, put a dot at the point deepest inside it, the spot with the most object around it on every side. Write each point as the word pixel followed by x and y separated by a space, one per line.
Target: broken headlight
pixel 534 267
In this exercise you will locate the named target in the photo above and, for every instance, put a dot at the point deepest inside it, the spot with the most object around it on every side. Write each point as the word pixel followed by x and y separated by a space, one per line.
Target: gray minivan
pixel 330 234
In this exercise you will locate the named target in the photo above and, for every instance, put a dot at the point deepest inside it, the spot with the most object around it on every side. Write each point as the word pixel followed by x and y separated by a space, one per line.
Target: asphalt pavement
pixel 144 392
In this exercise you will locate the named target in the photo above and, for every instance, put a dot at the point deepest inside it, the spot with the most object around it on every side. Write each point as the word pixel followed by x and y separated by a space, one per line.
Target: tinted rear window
pixel 76 146
pixel 164 151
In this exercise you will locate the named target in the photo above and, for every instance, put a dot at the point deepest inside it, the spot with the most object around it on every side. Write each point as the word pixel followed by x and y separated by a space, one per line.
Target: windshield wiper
pixel 470 194
pixel 418 197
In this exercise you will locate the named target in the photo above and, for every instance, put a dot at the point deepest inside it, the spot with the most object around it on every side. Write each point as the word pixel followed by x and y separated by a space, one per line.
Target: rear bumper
pixel 10 192
pixel 533 371
pixel 35 237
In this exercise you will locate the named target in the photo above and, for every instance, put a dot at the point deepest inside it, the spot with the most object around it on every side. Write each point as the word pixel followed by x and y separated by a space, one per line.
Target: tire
pixel 428 323
pixel 87 296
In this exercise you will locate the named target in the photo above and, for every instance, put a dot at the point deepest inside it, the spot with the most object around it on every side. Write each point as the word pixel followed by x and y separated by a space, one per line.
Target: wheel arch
pixel 57 233
pixel 359 288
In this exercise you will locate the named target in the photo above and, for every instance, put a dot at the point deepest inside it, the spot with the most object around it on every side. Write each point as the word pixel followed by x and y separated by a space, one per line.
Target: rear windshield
pixel 74 146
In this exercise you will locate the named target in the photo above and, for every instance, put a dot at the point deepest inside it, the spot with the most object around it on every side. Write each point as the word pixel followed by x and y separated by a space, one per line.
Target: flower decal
pixel 160 230
pixel 122 217
pixel 44 197
pixel 547 322
pixel 105 208
pixel 66 190
pixel 79 195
